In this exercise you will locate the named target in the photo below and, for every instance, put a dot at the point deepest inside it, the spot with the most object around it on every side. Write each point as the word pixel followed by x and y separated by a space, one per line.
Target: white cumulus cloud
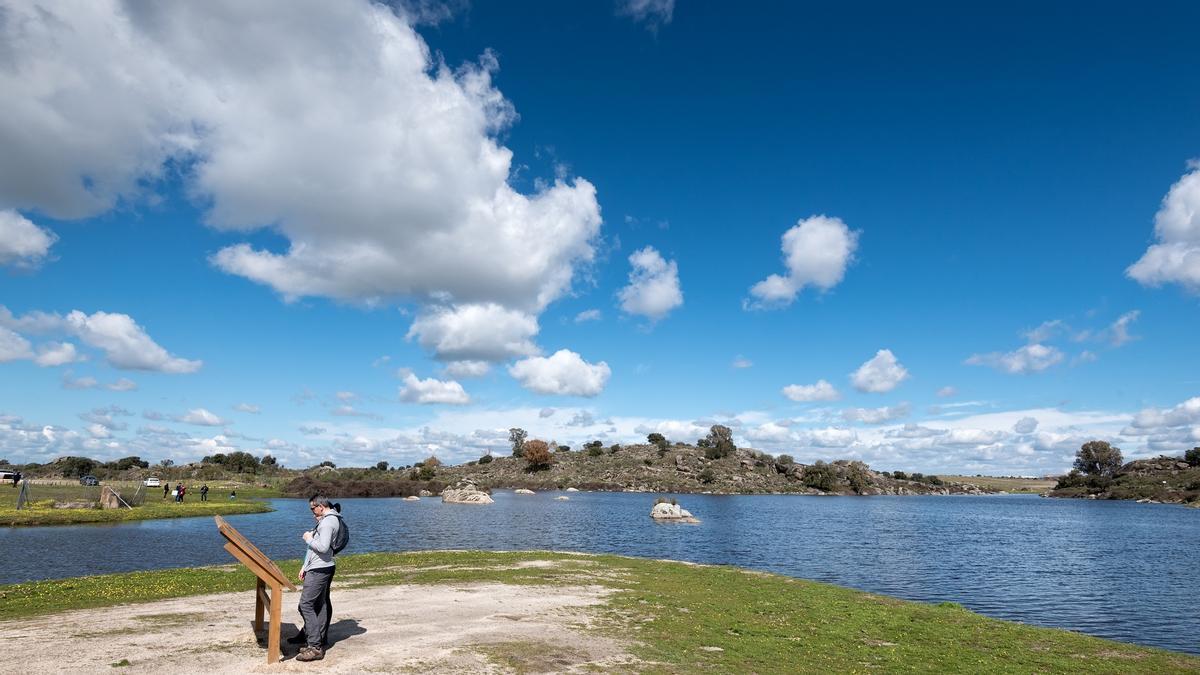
pixel 468 368
pixel 201 417
pixel 879 375
pixel 487 332
pixel 56 354
pixel 564 373
pixel 1176 256
pixel 1032 358
pixel 816 252
pixel 876 415
pixel 13 347
pixel 247 408
pixel 821 391
pixel 416 390
pixel 653 289
pixel 22 243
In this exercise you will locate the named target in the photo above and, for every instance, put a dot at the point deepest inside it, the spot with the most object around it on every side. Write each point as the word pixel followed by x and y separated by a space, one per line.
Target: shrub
pixel 537 455
pixel 858 479
pixel 659 441
pixel 707 476
pixel 486 459
pixel 1192 456
pixel 647 461
pixel 564 448
pixel 899 475
pixel 1098 458
pixel 821 476
pixel 596 451
pixel 433 462
pixel 614 448
pixel 917 476
pixel 328 464
pixel 426 472
pixel 381 466
pixel 785 460
pixel 74 467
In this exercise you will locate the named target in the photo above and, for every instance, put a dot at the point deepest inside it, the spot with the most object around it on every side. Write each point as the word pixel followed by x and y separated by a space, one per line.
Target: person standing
pixel 166 489
pixel 204 492
pixel 317 574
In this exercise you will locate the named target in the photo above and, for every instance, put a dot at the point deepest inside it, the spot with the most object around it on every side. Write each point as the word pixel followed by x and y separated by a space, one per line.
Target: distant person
pixel 166 489
pixel 233 494
pixel 182 493
pixel 317 574
pixel 16 478
pixel 204 492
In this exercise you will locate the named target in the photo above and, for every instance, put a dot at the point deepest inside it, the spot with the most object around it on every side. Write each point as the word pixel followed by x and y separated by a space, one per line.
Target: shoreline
pixel 654 614
pixel 48 516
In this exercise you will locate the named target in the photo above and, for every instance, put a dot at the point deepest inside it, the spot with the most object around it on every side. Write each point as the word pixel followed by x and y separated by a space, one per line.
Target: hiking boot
pixel 311 654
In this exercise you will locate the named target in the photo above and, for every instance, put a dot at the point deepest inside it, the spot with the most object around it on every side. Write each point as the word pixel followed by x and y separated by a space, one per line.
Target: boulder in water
pixel 672 513
pixel 523 491
pixel 465 492
pixel 412 498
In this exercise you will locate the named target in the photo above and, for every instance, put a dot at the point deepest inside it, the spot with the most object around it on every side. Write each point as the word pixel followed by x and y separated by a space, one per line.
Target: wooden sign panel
pixel 269 575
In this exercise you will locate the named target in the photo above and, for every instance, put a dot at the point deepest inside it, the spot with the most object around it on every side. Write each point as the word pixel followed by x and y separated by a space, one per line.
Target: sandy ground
pixel 460 628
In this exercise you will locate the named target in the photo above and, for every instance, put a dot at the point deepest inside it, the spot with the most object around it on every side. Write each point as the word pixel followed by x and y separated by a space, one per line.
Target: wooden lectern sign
pixel 268 574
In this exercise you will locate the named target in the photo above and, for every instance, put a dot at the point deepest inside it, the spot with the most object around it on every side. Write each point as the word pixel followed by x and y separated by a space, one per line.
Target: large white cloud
pixel 564 373
pixel 1176 256
pixel 125 344
pixel 1033 358
pixel 416 390
pixel 821 391
pixel 653 288
pixel 331 124
pixel 881 374
pixel 22 243
pixel 487 332
pixel 816 251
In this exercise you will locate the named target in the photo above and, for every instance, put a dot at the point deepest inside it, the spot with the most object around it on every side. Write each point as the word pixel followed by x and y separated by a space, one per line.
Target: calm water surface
pixel 1114 569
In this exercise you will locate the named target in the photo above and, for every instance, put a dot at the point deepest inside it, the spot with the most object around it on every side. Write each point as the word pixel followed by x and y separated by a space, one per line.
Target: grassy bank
pixel 44 513
pixel 683 618
pixel 1010 485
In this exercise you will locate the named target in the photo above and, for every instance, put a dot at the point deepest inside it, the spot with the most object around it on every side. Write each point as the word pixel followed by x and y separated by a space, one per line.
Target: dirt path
pixel 460 628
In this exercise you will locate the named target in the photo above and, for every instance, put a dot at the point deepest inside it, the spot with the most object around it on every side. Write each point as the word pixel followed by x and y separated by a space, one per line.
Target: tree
pixel 899 475
pixel 718 443
pixel 128 463
pixel 74 467
pixel 517 437
pixel 432 462
pixel 594 448
pixel 381 466
pixel 269 460
pixel 1192 456
pixel 785 460
pixel 1098 458
pixel 328 464
pixel 166 463
pixel 659 441
pixel 821 476
pixel 537 455
pixel 486 459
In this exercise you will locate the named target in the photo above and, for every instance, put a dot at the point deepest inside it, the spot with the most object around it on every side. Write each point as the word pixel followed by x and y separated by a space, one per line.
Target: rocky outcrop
pixel 412 498
pixel 109 499
pixel 672 513
pixel 465 492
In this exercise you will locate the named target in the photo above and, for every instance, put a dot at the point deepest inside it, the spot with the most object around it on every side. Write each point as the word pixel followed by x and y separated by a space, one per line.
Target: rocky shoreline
pixel 1160 480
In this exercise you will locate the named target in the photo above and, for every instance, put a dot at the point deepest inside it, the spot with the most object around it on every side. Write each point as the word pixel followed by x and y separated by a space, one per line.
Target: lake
pixel 1114 569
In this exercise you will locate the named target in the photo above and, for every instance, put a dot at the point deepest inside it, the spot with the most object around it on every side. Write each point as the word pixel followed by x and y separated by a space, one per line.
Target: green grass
pixel 1011 485
pixel 682 618
pixel 44 513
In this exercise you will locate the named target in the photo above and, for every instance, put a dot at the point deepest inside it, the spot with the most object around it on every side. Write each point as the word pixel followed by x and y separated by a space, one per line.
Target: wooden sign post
pixel 269 576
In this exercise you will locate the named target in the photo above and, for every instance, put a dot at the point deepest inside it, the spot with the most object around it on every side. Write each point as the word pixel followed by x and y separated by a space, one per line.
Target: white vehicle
pixel 152 481
pixel 7 475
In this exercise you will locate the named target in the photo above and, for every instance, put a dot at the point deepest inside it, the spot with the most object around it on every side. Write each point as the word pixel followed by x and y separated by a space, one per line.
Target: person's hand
pixel 301 576
pixel 307 536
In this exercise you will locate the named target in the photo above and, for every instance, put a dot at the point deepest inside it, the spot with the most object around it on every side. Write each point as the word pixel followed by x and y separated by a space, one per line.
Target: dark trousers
pixel 315 607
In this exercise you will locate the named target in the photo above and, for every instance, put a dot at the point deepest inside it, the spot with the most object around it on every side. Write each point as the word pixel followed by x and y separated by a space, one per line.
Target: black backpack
pixel 342 538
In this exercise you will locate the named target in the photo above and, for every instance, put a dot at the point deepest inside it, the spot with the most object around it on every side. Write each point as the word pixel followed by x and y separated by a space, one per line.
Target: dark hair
pixel 322 500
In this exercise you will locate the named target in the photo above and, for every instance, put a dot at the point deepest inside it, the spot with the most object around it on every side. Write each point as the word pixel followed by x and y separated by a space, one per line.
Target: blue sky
pixel 934 238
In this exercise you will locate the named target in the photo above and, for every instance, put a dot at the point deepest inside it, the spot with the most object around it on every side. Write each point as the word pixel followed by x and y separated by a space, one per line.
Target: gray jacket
pixel 320 547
